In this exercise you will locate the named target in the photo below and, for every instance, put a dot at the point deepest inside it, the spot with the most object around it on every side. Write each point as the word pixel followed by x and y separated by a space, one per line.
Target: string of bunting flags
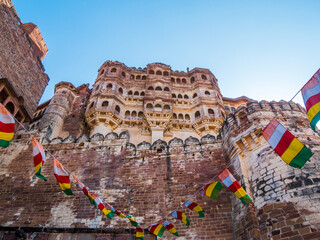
pixel 284 143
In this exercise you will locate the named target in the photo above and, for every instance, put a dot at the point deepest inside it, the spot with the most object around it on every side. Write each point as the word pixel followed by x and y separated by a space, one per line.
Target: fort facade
pixel 146 140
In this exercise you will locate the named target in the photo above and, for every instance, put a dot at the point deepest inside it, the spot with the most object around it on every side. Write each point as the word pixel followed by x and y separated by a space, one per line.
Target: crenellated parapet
pixel 117 143
pixel 246 122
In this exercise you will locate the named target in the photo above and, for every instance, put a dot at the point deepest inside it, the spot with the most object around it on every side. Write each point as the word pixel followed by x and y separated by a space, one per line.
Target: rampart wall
pixel 146 181
pixel 285 200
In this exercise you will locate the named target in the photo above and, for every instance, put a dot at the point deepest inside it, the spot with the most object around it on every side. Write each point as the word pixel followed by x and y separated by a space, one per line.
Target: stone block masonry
pixel 21 66
pixel 144 183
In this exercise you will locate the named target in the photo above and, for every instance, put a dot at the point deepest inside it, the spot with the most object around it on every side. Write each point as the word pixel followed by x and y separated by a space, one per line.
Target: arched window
pixel 180 116
pixel 195 95
pixel 167 107
pixel 204 77
pixel 113 70
pixel 179 96
pixel 178 80
pixel 117 108
pixel 123 74
pixel 233 109
pixel 151 72
pixel 144 78
pixel 140 115
pixel 130 92
pixel 226 108
pixel 207 93
pixel 174 116
pixel 157 106
pixel 127 114
pixel 136 93
pixel 131 76
pixel 158 88
pixel 210 111
pixel 197 114
pixel 142 94
pixel 166 89
pixel 105 104
pixel 187 117
pixel 186 96
pixel 149 105
pixel 10 107
pixel 109 86
pixel 91 105
pixel 172 80
pixel 138 77
pixel 158 73
pixel 192 80
pixel 97 88
pixel 150 88
pixel 165 73
pixel 173 95
pixel 120 90
pixel 184 80
pixel 134 114
pixel 102 72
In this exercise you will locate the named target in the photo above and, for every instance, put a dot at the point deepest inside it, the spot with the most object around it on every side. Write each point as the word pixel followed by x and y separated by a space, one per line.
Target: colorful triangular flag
pixel 287 146
pixel 85 190
pixel 157 229
pixel 62 177
pixel 6 127
pixel 101 206
pixel 195 207
pixel 227 178
pixel 139 233
pixel 311 97
pixel 169 227
pixel 212 190
pixel 38 158
pixel 181 216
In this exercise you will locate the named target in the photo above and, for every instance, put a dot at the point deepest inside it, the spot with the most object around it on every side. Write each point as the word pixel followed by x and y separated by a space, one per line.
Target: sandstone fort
pixel 145 139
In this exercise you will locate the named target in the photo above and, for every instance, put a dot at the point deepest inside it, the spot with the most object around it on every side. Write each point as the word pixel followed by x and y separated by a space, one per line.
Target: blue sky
pixel 261 49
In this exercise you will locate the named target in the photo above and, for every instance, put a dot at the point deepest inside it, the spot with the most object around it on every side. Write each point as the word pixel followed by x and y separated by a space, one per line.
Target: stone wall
pixel 19 63
pixel 150 180
pixel 289 197
pixel 146 181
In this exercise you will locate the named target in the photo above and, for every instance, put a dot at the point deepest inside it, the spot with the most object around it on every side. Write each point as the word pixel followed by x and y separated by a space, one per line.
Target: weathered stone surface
pixel 20 61
pixel 147 161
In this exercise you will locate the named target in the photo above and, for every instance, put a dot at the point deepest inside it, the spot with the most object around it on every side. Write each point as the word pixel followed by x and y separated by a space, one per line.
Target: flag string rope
pixel 197 191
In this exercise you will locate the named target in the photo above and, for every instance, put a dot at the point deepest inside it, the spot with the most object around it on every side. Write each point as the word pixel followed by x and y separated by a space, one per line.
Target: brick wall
pixel 146 184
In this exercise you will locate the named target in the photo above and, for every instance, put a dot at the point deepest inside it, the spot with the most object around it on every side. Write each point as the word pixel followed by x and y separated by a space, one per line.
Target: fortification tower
pixel 22 77
pixel 58 108
pixel 155 102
